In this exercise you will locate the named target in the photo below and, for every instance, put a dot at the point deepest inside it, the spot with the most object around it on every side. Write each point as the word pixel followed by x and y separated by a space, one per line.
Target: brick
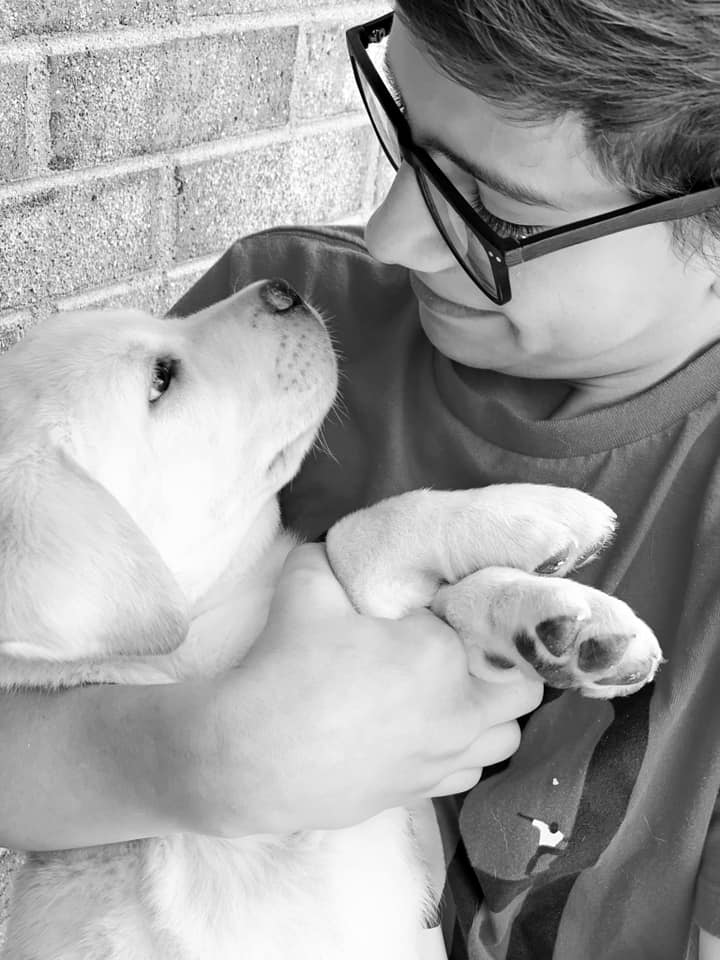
pixel 13 104
pixel 313 179
pixel 141 293
pixel 111 104
pixel 327 174
pixel 205 8
pixel 221 199
pixel 154 293
pixel 12 329
pixel 324 82
pixel 9 862
pixel 64 239
pixel 51 16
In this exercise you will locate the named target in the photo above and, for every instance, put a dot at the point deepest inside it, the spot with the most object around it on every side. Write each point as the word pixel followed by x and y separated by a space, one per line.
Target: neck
pixel 587 396
pixel 229 616
pixel 233 557
pixel 594 393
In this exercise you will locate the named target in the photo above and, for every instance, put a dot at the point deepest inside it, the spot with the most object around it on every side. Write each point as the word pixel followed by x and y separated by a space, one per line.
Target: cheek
pixel 598 289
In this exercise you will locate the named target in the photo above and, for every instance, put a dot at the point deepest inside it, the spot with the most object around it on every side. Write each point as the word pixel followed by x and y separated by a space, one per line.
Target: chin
pixel 463 343
pixel 489 342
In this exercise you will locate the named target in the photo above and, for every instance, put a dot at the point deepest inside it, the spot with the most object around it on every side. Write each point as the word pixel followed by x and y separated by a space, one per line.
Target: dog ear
pixel 78 578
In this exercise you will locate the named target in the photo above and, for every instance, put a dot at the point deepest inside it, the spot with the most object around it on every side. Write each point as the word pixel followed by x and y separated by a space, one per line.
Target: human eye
pixel 505 228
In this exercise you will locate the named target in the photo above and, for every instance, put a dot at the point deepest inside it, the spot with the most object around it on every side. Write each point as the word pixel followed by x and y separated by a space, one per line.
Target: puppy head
pixel 137 455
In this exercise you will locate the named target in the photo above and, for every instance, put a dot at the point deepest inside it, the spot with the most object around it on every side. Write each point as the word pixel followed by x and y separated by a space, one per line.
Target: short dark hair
pixel 643 76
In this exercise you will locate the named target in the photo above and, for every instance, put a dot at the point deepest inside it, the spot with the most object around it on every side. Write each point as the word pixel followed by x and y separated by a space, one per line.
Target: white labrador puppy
pixel 140 543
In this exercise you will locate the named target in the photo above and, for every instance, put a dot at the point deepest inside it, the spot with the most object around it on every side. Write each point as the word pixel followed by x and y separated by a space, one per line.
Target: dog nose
pixel 279 296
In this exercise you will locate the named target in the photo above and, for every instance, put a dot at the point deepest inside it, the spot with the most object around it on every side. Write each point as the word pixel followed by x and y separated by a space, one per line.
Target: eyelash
pixel 513 231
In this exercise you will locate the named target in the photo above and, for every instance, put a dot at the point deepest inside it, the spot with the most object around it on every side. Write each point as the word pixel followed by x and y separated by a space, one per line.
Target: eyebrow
pixel 495 180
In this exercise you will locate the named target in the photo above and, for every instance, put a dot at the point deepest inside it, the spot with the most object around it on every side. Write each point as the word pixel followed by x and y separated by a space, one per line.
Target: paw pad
pixel 599 653
pixel 558 634
pixel 564 656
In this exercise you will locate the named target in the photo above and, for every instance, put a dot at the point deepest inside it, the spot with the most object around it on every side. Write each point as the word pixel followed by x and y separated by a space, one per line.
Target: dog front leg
pixel 392 557
pixel 35 674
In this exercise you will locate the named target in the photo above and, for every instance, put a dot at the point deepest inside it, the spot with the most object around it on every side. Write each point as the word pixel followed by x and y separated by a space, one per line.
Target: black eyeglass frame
pixel 502 252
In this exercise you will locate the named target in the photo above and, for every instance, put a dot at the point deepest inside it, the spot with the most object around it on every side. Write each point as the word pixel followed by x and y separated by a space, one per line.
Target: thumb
pixel 307 581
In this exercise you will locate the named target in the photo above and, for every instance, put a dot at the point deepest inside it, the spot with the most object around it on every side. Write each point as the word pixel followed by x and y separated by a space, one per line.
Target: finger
pixel 424 617
pixel 307 556
pixel 498 702
pixel 496 744
pixel 493 745
pixel 307 576
pixel 459 782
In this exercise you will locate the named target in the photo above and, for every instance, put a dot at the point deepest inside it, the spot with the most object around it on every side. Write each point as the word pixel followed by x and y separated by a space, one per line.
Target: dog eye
pixel 163 372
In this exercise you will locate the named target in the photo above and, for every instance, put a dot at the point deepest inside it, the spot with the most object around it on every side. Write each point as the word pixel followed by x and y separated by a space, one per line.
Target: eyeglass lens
pixel 467 249
pixel 380 120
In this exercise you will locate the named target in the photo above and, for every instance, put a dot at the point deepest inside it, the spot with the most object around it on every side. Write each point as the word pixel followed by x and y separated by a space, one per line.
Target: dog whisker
pixel 340 410
pixel 322 444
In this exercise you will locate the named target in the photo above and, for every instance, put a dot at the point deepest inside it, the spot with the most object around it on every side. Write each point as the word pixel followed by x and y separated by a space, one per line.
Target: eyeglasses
pixel 485 255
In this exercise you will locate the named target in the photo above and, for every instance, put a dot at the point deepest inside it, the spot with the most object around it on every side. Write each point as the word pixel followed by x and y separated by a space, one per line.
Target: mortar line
pixel 209 150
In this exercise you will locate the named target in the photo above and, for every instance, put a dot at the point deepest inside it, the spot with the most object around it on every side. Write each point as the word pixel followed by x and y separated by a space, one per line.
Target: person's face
pixel 612 307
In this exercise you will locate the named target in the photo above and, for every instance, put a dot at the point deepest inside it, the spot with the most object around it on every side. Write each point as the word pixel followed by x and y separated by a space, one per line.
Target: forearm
pixel 103 764
pixel 708 947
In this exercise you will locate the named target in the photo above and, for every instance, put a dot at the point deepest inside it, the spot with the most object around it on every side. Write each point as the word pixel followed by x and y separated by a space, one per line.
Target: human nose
pixel 403 231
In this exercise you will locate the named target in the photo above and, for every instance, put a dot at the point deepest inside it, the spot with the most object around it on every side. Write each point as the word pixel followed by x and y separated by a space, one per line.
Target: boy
pixel 592 365
pixel 585 352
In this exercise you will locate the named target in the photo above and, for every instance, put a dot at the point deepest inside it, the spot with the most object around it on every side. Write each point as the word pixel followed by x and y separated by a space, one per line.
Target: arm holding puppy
pixel 708 946
pixel 295 738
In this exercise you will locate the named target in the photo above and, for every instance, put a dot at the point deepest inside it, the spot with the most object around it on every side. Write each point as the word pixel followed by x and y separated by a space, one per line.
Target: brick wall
pixel 138 138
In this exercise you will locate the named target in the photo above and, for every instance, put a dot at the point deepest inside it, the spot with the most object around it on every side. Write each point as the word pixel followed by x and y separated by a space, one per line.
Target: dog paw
pixel 543 529
pixel 569 635
pixel 393 556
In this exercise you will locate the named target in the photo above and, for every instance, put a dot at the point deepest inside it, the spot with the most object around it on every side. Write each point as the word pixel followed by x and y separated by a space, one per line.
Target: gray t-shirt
pixel 600 839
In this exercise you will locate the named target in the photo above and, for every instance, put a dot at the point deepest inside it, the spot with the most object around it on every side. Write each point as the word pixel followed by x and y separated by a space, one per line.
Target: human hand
pixel 340 716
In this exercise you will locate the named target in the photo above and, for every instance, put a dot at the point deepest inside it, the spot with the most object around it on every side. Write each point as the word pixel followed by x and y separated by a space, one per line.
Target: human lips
pixel 440 305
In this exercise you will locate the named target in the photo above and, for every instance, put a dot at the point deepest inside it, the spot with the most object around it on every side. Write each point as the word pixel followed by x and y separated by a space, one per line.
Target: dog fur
pixel 140 543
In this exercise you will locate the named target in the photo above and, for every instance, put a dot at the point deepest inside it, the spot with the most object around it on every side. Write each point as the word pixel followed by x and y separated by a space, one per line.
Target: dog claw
pixel 636 674
pixel 554 563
